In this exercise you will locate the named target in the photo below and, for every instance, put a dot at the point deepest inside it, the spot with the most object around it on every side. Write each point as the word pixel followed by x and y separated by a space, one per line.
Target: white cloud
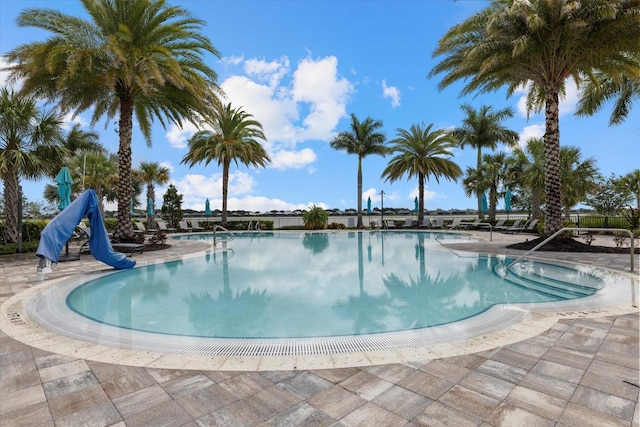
pixel 428 194
pixel 68 121
pixel 531 131
pixel 271 72
pixel 167 165
pixel 178 136
pixel 293 159
pixel 4 75
pixel 392 93
pixel 232 60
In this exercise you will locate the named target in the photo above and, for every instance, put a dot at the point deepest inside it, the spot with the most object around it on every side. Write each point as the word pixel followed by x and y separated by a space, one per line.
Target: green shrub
pixel 336 226
pixel 315 218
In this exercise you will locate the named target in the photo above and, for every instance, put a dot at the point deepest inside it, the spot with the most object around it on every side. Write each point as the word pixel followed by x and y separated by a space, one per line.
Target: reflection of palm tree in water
pixel 227 314
pixel 424 300
pixel 316 242
pixel 367 311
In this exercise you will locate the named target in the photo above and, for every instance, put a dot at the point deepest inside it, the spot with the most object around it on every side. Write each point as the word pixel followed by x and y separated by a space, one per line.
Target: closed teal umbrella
pixel 207 208
pixel 369 205
pixel 507 202
pixel 415 205
pixel 64 181
pixel 485 206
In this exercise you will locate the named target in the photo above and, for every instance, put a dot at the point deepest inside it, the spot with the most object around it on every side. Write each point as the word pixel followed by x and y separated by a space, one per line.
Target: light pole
pixel 382 209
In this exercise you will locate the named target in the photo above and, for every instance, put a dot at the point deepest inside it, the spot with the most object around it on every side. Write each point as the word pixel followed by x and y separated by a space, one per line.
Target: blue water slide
pixel 59 230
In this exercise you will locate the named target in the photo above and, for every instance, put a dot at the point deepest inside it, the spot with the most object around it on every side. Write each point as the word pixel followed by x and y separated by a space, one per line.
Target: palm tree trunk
pixel 11 183
pixel 124 227
pixel 535 203
pixel 479 195
pixel 151 194
pixel 359 225
pixel 225 190
pixel 553 203
pixel 493 203
pixel 420 198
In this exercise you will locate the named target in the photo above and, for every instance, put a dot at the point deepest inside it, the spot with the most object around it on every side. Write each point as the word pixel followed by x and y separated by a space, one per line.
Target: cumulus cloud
pixel 4 75
pixel 428 194
pixel 391 92
pixel 178 136
pixel 285 159
pixel 531 131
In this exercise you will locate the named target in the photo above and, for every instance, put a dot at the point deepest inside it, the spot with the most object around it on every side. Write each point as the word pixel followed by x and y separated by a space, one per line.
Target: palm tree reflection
pixel 227 314
pixel 315 242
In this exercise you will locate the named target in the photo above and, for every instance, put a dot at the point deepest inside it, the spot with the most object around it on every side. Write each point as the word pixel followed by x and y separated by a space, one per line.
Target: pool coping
pixel 16 322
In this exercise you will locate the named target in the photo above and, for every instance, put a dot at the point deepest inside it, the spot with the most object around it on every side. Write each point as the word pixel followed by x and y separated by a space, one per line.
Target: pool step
pixel 549 286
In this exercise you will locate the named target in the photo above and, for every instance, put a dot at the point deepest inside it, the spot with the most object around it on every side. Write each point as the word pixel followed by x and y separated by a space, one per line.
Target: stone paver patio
pixel 582 371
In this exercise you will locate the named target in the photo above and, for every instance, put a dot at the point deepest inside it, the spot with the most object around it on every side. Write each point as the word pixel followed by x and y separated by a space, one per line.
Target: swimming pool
pixel 280 293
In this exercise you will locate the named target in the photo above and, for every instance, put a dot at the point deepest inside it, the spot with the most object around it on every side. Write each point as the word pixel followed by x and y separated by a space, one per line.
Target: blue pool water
pixel 295 284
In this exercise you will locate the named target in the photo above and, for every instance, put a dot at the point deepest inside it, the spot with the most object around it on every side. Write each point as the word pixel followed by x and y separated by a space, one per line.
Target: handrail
pixel 219 227
pixel 562 230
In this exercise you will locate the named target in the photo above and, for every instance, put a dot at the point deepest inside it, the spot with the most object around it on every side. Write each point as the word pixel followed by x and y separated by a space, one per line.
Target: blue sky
pixel 301 68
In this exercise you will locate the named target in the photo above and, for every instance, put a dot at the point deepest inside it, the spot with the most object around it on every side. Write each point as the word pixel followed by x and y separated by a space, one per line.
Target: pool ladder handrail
pixel 221 228
pixel 562 230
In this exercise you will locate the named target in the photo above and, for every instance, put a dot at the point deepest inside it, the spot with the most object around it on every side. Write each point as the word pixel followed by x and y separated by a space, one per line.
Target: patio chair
pixel 162 226
pixel 141 229
pixel 351 222
pixel 426 223
pixel 184 226
pixel 389 223
pixel 408 223
pixel 529 226
pixel 438 223
pixel 468 225
pixel 195 227
pixel 126 248
pixel 517 225
pixel 454 224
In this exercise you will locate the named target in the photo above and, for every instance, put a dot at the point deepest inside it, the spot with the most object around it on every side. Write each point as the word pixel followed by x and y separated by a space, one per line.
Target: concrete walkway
pixel 584 370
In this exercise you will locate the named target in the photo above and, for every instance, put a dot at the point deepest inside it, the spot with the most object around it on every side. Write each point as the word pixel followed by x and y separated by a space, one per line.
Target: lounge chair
pixel 141 229
pixel 473 224
pixel 529 226
pixel 438 223
pixel 389 223
pixel 351 222
pixel 516 226
pixel 162 226
pixel 184 226
pixel 408 223
pixel 126 248
pixel 426 223
pixel 455 224
pixel 195 227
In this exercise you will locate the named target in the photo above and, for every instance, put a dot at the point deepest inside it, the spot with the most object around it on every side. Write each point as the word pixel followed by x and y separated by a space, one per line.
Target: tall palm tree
pixel 141 58
pixel 363 139
pixel 579 177
pixel 30 148
pixel 539 44
pixel 601 88
pixel 494 171
pixel 482 128
pixel 152 173
pixel 422 153
pixel 234 137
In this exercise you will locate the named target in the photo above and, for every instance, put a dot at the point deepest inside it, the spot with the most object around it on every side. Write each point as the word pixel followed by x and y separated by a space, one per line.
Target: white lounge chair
pixel 517 225
pixel 195 227
pixel 389 223
pixel 184 226
pixel 455 224
pixel 426 223
pixel 408 223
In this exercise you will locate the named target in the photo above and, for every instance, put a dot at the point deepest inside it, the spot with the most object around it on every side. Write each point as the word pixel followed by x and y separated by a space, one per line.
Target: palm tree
pixel 422 153
pixel 363 140
pixel 579 177
pixel 482 129
pixel 30 148
pixel 100 173
pixel 152 173
pixel 539 44
pixel 491 177
pixel 631 183
pixel 234 138
pixel 141 58
pixel 528 172
pixel 602 88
